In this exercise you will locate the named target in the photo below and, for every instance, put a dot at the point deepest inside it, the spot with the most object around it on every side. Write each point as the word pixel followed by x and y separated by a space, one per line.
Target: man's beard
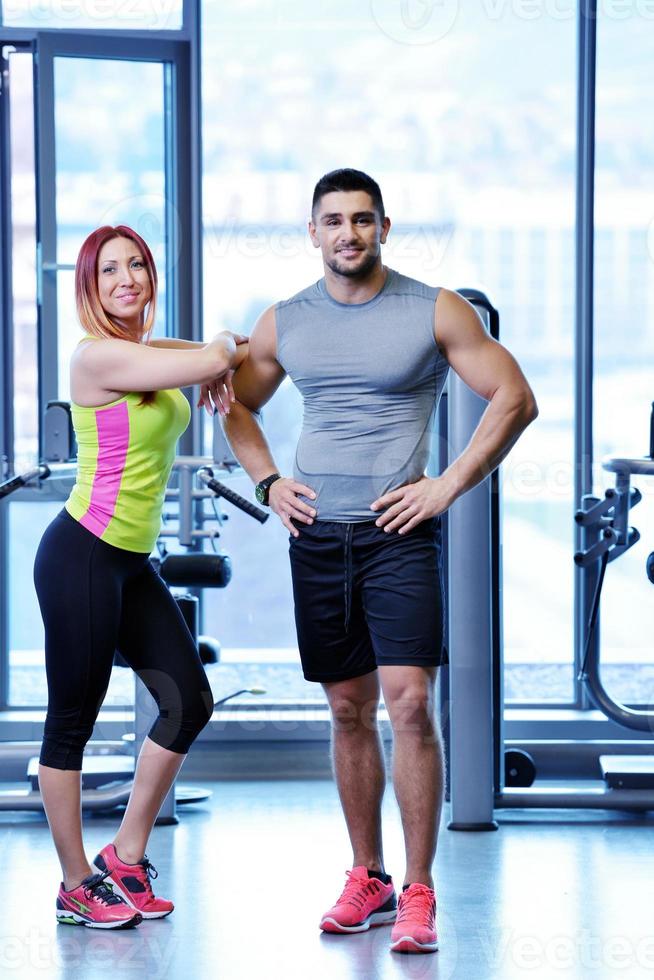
pixel 360 272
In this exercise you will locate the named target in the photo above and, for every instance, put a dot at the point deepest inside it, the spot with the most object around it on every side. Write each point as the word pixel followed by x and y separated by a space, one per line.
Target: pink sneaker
pixel 93 904
pixel 415 928
pixel 132 883
pixel 364 902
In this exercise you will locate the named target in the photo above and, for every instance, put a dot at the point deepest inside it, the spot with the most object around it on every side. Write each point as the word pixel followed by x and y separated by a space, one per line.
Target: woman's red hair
pixel 94 319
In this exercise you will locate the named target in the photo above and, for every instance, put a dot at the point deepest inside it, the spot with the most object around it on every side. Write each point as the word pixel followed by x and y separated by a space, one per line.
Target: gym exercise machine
pixel 471 686
pixel 107 779
pixel 482 771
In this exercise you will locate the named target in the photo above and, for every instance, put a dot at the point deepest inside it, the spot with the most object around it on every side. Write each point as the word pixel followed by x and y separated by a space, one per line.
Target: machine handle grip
pixel 206 475
pixel 41 472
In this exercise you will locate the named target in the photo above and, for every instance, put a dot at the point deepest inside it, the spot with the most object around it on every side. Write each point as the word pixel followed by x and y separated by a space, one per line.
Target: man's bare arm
pixel 494 374
pixel 255 382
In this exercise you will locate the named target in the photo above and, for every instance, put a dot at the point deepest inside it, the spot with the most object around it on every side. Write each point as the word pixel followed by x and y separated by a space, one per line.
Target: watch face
pixel 260 494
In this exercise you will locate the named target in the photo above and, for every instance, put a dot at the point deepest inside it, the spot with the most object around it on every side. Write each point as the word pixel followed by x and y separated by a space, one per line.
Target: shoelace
pixel 97 888
pixel 417 902
pixel 356 890
pixel 150 872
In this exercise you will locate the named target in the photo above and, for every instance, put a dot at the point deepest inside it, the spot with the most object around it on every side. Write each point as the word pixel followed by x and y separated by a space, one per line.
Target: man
pixel 369 349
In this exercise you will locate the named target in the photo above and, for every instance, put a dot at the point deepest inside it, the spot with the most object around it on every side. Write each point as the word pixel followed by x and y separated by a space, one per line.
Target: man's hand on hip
pixel 409 505
pixel 284 501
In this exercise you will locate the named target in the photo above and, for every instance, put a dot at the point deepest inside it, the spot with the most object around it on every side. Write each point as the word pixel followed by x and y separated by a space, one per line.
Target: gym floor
pixel 565 894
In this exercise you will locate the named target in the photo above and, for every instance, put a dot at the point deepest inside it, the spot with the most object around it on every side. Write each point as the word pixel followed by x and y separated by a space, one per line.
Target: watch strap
pixel 265 485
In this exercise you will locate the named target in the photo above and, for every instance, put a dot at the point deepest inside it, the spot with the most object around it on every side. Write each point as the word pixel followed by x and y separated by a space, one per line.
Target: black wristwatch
pixel 262 489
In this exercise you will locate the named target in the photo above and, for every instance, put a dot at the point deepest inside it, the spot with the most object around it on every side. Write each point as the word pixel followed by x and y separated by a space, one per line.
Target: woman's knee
pixel 63 746
pixel 198 715
pixel 177 727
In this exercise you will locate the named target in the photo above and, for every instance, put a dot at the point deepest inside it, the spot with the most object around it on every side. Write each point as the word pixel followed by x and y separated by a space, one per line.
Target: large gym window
pixel 474 147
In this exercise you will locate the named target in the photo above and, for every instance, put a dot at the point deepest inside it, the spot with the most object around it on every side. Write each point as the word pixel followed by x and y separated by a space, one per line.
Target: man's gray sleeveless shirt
pixel 371 376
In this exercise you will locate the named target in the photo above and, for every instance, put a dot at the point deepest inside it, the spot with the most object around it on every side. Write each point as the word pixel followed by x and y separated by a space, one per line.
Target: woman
pixel 97 589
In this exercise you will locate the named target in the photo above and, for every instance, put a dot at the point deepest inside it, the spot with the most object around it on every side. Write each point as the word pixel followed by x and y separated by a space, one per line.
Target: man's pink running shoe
pixel 132 883
pixel 93 904
pixel 415 927
pixel 364 902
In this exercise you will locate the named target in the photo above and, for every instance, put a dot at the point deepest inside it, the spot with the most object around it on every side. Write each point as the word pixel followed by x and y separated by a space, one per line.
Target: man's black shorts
pixel 365 597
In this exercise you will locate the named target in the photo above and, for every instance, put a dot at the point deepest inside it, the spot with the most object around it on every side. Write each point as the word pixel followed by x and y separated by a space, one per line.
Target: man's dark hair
pixel 347 179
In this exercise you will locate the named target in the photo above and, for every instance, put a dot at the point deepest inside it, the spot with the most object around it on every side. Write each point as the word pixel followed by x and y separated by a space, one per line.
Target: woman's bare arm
pixel 117 365
pixel 175 343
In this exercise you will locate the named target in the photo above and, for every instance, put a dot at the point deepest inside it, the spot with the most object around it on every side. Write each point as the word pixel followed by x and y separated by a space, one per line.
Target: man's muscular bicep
pixel 483 363
pixel 260 374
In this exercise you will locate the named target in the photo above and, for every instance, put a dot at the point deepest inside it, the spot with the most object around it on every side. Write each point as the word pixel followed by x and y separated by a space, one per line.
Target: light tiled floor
pixel 549 895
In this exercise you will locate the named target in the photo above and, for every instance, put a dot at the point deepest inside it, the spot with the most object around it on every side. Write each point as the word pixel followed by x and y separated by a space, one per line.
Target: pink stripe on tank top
pixel 113 443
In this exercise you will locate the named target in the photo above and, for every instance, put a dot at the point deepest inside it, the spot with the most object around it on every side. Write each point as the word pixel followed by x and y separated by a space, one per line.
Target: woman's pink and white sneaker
pixel 364 902
pixel 94 904
pixel 415 927
pixel 133 883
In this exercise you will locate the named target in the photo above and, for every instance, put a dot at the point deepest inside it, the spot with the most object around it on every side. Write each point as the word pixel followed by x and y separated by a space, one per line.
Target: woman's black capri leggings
pixel 96 599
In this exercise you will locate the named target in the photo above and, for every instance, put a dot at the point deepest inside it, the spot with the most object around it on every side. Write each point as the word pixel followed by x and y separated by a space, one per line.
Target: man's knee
pixel 412 710
pixel 350 716
pixel 353 703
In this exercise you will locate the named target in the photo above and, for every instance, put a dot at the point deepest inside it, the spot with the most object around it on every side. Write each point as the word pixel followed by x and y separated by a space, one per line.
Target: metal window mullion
pixel 178 204
pixel 196 224
pixel 105 46
pixel 170 199
pixel 195 189
pixel 190 16
pixel 189 121
pixel 46 230
pixel 184 204
pixel 6 283
pixel 6 370
pixel 584 230
pixel 28 35
pixel 4 605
